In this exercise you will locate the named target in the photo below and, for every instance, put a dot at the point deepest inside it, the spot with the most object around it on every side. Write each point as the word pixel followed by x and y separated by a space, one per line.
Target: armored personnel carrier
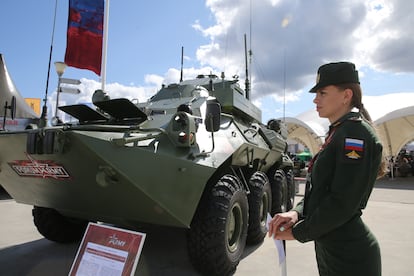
pixel 194 156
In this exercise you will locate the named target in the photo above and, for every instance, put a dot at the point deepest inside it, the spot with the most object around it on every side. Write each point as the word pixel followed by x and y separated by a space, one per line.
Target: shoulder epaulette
pixel 355 119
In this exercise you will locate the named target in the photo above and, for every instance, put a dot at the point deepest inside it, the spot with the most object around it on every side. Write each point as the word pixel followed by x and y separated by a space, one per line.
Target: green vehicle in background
pixel 194 156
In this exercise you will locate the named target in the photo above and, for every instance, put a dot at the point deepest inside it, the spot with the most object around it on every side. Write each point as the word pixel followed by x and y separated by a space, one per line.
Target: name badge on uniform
pixel 353 149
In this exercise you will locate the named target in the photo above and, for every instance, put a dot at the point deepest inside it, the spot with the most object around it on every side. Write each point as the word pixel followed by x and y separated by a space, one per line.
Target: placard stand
pixel 107 250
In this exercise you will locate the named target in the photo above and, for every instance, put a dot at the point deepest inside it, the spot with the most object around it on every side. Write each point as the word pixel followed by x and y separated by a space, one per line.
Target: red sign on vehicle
pixel 39 168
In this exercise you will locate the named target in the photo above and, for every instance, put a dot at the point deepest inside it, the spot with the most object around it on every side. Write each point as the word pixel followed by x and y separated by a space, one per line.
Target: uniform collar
pixel 351 116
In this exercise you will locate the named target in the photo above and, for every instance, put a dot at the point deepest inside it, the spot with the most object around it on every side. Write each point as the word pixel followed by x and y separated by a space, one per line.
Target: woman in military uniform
pixel 340 180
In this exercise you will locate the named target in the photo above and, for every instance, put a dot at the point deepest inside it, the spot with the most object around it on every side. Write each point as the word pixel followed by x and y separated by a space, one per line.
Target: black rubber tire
pixel 56 227
pixel 291 189
pixel 260 204
pixel 279 192
pixel 218 233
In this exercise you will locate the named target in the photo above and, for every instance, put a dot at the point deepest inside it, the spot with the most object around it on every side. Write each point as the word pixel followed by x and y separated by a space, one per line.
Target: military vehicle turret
pixel 195 156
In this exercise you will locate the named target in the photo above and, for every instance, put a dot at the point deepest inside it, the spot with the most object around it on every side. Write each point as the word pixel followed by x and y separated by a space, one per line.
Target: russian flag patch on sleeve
pixel 354 148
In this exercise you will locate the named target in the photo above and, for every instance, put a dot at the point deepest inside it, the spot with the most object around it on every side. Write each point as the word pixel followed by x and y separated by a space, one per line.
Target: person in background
pixel 339 182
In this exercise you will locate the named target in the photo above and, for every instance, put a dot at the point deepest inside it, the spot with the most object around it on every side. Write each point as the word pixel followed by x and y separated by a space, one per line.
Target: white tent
pixel 304 134
pixel 9 90
pixel 396 129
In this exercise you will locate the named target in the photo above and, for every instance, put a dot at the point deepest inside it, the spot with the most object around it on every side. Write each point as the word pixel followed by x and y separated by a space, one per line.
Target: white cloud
pixel 289 41
pixel 298 36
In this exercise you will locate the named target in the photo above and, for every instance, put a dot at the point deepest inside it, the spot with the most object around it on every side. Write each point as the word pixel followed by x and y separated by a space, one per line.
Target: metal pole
pixel 284 264
pixel 105 44
pixel 57 99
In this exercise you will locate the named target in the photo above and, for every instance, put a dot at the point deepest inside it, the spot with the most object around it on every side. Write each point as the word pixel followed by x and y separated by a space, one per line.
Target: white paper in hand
pixel 278 243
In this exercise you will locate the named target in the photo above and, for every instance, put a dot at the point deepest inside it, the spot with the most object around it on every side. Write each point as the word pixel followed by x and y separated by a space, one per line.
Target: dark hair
pixel 357 103
pixel 356 98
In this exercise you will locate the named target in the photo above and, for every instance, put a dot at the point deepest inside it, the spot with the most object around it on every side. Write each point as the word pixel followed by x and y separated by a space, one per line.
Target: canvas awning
pixel 396 129
pixel 304 134
pixel 9 90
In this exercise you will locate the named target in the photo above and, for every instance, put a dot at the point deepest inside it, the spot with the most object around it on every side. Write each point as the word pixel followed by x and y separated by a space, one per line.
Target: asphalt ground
pixel 389 214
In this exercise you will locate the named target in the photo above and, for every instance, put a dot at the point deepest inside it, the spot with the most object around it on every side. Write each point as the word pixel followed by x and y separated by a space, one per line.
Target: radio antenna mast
pixel 182 61
pixel 247 83
pixel 43 116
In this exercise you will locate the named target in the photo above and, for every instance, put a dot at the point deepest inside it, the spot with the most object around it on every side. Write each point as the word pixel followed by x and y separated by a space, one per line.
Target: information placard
pixel 107 250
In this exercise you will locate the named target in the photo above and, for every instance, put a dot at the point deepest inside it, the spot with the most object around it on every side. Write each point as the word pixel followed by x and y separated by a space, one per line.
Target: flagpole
pixel 105 44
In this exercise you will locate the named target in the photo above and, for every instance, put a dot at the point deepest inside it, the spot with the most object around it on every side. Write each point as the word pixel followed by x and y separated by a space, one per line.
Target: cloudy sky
pixel 289 40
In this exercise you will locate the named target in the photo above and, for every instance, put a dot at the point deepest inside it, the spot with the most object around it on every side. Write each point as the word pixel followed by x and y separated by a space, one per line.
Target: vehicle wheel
pixel 291 189
pixel 260 203
pixel 56 227
pixel 218 231
pixel 279 192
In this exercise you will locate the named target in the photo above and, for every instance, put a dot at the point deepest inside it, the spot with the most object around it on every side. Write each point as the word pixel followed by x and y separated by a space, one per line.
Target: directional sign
pixel 69 90
pixel 69 81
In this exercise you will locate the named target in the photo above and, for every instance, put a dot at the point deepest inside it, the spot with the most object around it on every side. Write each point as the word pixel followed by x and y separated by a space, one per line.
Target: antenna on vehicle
pixel 247 84
pixel 182 61
pixel 43 116
pixel 211 83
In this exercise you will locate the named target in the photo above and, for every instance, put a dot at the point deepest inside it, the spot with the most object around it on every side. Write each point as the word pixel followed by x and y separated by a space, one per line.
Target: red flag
pixel 84 36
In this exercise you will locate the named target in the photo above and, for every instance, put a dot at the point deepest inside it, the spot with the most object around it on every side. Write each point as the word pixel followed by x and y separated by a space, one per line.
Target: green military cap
pixel 335 73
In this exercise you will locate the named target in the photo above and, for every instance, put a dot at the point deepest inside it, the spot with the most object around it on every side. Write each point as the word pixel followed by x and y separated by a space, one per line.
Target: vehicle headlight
pixel 182 129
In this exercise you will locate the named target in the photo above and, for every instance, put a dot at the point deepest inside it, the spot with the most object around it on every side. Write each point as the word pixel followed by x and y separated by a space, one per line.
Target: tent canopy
pixel 9 90
pixel 304 134
pixel 396 129
pixel 304 155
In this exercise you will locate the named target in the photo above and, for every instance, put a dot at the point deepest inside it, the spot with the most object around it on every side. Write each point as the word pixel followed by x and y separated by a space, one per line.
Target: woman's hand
pixel 280 227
